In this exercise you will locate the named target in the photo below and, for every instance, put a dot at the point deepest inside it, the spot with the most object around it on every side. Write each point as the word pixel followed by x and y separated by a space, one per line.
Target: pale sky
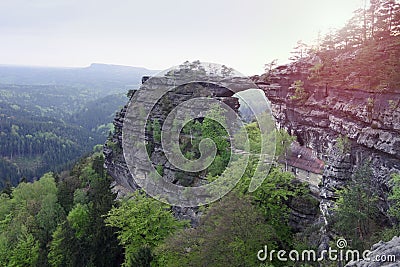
pixel 160 34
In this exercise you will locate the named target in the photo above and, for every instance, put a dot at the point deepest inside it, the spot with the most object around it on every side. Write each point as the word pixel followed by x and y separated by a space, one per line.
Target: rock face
pixel 345 127
pixel 303 213
pixel 114 158
pixel 115 161
pixel 382 254
pixel 113 149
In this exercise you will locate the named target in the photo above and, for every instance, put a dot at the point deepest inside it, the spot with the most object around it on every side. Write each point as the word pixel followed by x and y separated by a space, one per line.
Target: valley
pixel 50 117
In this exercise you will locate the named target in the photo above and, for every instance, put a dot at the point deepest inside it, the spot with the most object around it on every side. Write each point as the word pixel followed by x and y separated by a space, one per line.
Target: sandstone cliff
pixel 344 127
pixel 369 121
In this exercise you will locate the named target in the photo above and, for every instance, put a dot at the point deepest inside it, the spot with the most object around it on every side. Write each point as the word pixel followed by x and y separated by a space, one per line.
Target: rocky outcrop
pixel 369 119
pixel 346 127
pixel 382 254
pixel 115 160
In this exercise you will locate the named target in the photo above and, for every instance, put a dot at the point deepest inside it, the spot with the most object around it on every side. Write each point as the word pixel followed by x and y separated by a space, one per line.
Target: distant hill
pixel 101 76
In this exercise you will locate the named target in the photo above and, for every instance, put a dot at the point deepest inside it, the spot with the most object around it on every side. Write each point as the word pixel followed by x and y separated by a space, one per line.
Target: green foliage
pixel 283 142
pixel 31 146
pixel 357 214
pixel 79 219
pixel 83 239
pixel 68 187
pixel 143 257
pixel 149 148
pixel 142 222
pixel 28 219
pixel 388 233
pixel 394 197
pixel 98 164
pixel 230 234
pixel 272 197
pixel 34 228
pixel 156 131
pixel 26 252
pixel 51 127
pixel 364 53
pixel 251 132
pixel 57 253
pixel 89 235
pixel 299 92
pixel 116 148
pixel 270 201
pixel 343 144
pixel 160 170
pixel 276 142
pixel 394 210
pixel 212 127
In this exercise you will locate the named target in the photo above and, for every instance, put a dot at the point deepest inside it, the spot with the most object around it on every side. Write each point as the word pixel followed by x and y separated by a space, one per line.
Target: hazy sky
pixel 160 34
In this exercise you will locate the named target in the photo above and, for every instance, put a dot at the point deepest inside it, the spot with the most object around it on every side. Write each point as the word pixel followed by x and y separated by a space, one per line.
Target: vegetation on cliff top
pixel 364 54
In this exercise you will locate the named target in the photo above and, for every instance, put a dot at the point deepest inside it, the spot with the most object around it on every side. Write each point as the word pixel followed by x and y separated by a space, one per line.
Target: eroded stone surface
pixel 368 119
pixel 382 254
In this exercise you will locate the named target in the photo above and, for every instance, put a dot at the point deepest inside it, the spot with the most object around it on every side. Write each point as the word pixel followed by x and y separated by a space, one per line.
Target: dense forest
pixel 89 227
pixel 51 117
pixel 34 141
pixel 74 219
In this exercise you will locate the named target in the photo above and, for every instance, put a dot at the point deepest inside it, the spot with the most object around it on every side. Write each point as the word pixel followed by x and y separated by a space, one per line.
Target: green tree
pixel 231 233
pixel 57 253
pixel 83 239
pixel 28 219
pixel 79 219
pixel 142 222
pixel 394 197
pixel 66 249
pixel 272 197
pixel 26 251
pixel 213 127
pixel 252 133
pixel 394 210
pixel 101 239
pixel 98 165
pixel 299 92
pixel 357 214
